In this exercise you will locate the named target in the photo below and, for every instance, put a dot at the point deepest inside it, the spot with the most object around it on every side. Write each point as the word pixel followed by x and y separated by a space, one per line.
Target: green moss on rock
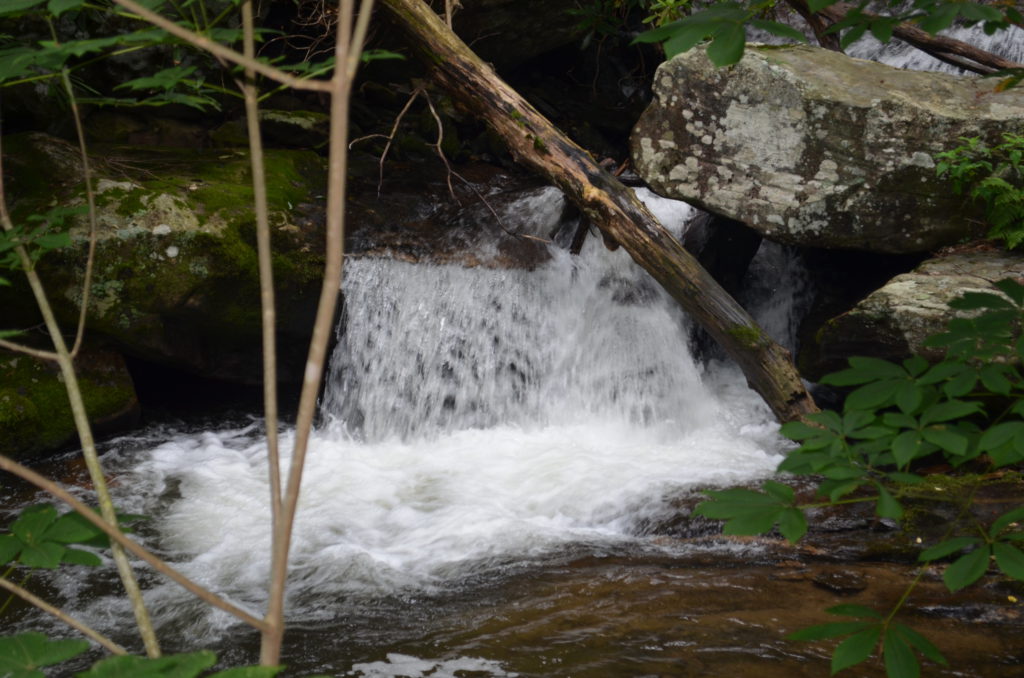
pixel 176 274
pixel 35 414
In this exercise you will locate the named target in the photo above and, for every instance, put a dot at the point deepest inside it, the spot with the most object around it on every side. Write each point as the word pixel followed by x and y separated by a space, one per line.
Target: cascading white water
pixel 475 418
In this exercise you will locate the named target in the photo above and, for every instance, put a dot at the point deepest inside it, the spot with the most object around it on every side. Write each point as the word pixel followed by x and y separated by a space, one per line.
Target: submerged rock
pixel 894 321
pixel 811 147
pixel 35 414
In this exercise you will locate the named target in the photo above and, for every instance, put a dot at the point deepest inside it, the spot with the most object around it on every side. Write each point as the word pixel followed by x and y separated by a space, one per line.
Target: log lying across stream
pixel 612 207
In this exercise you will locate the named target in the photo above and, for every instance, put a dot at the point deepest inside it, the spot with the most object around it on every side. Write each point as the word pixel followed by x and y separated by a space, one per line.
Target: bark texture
pixel 608 204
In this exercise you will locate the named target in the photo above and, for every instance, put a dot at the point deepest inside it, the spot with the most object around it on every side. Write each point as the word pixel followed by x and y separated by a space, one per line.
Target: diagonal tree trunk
pixel 611 206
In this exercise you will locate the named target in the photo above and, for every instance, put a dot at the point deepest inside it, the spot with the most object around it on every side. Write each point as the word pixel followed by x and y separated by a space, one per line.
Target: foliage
pixel 994 175
pixel 968 407
pixel 40 538
pixel 22 655
pixel 47 234
pixel 724 23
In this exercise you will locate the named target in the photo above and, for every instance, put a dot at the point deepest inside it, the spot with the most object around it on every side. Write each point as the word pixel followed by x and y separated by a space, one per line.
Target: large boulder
pixel 893 321
pixel 176 279
pixel 813 148
pixel 35 413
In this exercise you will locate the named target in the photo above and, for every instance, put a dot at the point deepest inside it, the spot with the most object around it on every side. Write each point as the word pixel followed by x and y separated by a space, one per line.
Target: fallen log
pixel 943 48
pixel 609 205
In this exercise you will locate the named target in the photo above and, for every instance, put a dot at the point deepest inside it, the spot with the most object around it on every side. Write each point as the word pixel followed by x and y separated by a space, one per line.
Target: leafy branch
pixel 966 408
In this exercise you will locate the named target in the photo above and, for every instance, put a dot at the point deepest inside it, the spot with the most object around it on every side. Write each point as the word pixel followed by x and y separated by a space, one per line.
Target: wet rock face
pixel 176 278
pixel 813 148
pixel 35 415
pixel 894 321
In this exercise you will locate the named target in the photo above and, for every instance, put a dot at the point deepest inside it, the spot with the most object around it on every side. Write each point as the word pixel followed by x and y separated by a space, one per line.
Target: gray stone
pixel 894 321
pixel 811 147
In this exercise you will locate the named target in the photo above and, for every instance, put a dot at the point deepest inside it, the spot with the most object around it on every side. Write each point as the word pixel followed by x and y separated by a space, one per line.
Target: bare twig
pixel 390 136
pixel 28 350
pixel 81 419
pixel 348 46
pixel 119 539
pixel 60 614
pixel 267 303
pixel 219 50
pixel 437 145
pixel 90 197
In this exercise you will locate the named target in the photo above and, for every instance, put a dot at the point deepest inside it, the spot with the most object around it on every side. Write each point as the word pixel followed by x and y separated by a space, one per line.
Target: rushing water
pixel 495 445
pixel 477 423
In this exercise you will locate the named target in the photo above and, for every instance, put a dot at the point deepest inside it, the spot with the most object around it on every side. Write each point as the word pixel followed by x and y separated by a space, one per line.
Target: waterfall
pixel 475 420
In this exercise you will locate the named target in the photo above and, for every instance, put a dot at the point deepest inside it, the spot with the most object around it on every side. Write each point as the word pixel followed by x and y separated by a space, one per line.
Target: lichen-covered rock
pixel 894 321
pixel 811 147
pixel 176 279
pixel 35 414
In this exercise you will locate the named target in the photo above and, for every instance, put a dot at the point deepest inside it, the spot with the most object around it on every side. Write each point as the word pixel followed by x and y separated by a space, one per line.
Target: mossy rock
pixel 35 414
pixel 176 277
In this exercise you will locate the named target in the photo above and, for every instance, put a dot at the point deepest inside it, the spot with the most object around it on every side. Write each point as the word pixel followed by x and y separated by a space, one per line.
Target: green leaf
pixel 170 666
pixel 1012 289
pixel 973 301
pixel 852 610
pixel 952 409
pixel 947 547
pixel 900 661
pixel 727 46
pixel 993 377
pixel 1000 434
pixel 45 555
pixel 80 557
pixel 871 396
pixel 31 525
pixel 12 6
pixel 920 643
pixel 961 384
pixel 58 7
pixel 909 397
pixel 752 523
pixel 797 430
pixel 949 440
pixel 855 649
pixel 882 29
pixel 783 493
pixel 853 35
pixel 10 546
pixel 72 528
pixel 830 630
pixel 1006 520
pixel 23 654
pixel 905 447
pixel 1009 559
pixel 967 569
pixel 779 29
pixel 792 524
pixel 887 506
